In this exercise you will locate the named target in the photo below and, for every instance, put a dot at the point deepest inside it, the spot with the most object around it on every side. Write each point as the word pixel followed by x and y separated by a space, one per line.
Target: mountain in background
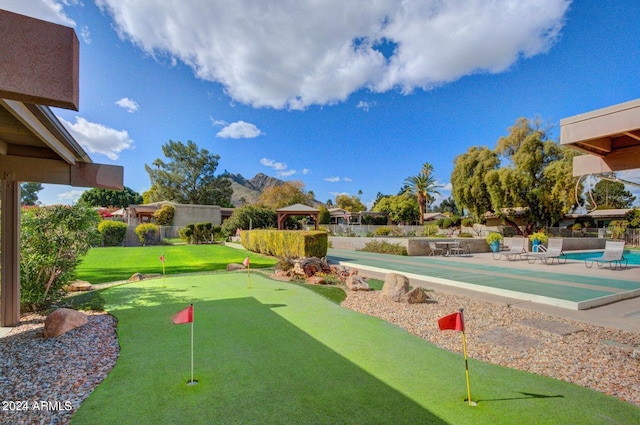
pixel 248 191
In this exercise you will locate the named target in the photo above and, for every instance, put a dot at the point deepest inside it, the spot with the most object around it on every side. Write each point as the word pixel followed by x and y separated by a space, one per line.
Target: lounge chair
pixel 516 248
pixel 613 255
pixel 552 252
pixel 434 249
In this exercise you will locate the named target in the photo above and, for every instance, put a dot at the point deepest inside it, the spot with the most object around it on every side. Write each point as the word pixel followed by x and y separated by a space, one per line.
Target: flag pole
pixel 466 362
pixel 164 281
pixel 192 382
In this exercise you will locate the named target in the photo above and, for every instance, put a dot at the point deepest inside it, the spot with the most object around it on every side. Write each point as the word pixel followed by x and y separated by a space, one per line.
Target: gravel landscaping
pixel 47 379
pixel 591 356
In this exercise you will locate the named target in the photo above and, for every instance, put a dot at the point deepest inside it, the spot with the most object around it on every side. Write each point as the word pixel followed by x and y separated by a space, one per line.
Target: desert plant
pixel 53 240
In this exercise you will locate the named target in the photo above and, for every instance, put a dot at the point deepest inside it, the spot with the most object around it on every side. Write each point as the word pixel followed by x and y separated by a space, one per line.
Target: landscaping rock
pixel 63 320
pixel 417 295
pixel 234 266
pixel 316 280
pixel 78 285
pixel 395 286
pixel 310 266
pixel 136 277
pixel 356 283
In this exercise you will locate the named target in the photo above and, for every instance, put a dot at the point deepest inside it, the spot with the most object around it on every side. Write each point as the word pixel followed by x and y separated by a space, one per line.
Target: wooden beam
pixel 53 171
pixel 10 246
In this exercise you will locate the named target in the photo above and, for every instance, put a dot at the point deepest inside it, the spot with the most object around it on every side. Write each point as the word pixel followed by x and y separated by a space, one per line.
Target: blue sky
pixel 340 97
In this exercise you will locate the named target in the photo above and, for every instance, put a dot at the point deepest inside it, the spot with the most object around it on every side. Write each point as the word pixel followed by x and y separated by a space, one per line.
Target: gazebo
pixel 296 210
pixel 39 63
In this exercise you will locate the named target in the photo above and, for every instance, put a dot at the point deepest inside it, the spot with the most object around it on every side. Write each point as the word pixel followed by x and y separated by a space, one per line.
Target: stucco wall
pixel 189 214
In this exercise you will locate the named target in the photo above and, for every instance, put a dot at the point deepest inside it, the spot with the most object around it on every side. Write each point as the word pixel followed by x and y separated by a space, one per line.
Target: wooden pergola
pixel 297 210
pixel 34 145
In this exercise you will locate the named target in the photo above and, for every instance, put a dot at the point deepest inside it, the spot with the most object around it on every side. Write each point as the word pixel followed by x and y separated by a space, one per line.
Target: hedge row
pixel 286 243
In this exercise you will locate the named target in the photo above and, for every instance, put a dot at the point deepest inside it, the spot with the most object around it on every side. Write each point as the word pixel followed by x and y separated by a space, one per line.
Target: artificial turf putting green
pixel 277 353
pixel 111 264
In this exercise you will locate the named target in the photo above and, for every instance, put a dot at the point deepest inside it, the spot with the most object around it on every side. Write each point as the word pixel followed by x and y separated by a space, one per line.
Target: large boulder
pixel 63 320
pixel 395 287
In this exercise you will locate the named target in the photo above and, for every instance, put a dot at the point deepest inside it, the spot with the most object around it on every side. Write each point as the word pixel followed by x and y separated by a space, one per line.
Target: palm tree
pixel 423 187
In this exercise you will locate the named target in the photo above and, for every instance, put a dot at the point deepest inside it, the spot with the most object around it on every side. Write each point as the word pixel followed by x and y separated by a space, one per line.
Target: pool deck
pixel 597 295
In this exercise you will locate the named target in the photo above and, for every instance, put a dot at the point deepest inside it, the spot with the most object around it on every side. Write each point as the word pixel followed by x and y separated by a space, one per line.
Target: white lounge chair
pixel 552 252
pixel 516 249
pixel 613 255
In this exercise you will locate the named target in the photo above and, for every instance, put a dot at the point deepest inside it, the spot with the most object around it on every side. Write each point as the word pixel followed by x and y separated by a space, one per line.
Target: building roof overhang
pixel 609 136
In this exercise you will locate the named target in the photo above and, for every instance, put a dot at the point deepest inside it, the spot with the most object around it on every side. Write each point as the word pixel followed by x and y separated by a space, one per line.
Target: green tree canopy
pixel 423 186
pixel 188 177
pixel 609 195
pixel 98 197
pixel 399 208
pixel 29 193
pixel 350 203
pixel 537 177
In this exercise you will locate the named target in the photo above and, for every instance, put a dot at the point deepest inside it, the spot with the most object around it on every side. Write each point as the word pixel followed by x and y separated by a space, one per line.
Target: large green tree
pixel 98 197
pixel 286 194
pixel 423 187
pixel 29 193
pixel 608 194
pixel 536 180
pixel 188 177
pixel 401 208
pixel 350 203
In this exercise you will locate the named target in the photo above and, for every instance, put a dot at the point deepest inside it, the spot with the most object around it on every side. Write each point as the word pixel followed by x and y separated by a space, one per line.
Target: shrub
pixel 384 247
pixel 465 235
pixel 286 243
pixel 389 231
pixel 250 216
pixel 113 232
pixel 467 222
pixel 430 229
pixel 147 233
pixel 164 216
pixel 539 236
pixel 53 240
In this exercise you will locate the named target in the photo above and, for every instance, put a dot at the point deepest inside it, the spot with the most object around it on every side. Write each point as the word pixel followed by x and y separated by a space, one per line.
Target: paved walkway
pixel 601 296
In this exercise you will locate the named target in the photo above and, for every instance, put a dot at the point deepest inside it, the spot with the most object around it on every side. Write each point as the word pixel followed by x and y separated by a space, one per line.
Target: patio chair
pixel 613 255
pixel 460 249
pixel 434 249
pixel 552 252
pixel 516 249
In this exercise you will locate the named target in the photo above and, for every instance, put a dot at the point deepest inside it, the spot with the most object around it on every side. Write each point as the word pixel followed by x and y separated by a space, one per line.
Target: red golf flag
pixel 453 321
pixel 184 316
pixel 246 262
pixel 162 258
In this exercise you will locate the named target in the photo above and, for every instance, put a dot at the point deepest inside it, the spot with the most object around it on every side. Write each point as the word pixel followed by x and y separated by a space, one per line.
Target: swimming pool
pixel 633 257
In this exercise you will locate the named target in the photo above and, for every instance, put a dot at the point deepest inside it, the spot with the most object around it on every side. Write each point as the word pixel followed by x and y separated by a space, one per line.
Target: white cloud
pixel 47 10
pixel 365 106
pixel 278 166
pixel 85 34
pixel 335 179
pixel 70 197
pixel 296 54
pixel 96 138
pixel 239 130
pixel 129 104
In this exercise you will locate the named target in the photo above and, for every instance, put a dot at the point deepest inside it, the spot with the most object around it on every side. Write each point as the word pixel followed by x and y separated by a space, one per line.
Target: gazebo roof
pixel 301 208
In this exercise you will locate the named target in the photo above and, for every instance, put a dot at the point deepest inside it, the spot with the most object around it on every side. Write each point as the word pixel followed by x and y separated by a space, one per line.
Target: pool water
pixel 633 257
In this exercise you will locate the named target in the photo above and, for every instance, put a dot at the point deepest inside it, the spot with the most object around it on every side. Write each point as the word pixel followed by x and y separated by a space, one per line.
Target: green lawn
pixel 278 353
pixel 112 264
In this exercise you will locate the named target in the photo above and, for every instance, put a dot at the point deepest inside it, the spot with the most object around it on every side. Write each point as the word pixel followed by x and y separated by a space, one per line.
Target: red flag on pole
pixel 246 262
pixel 453 322
pixel 162 258
pixel 184 316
